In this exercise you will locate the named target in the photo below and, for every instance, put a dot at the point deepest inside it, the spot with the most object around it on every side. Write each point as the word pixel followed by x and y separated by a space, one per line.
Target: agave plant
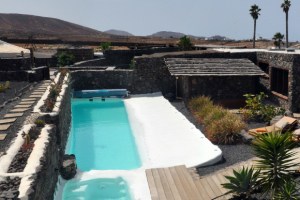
pixel 289 191
pixel 243 182
pixel 275 154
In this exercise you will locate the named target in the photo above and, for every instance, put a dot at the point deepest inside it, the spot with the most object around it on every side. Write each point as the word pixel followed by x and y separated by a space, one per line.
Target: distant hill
pixel 118 32
pixel 167 34
pixel 26 25
pixel 170 34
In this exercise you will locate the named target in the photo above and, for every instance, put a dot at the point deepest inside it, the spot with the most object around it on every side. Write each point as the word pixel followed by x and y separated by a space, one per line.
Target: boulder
pixel 276 119
pixel 68 167
pixel 246 137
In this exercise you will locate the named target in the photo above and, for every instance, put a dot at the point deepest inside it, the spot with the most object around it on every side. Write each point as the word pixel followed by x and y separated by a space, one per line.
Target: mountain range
pixel 24 26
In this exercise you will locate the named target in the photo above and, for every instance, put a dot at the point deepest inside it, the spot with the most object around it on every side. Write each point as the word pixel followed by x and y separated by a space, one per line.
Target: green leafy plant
pixel 256 109
pixel 39 123
pixel 105 46
pixel 4 86
pixel 243 183
pixel 289 191
pixel 65 58
pixel 132 64
pixel 185 43
pixel 27 143
pixel 275 160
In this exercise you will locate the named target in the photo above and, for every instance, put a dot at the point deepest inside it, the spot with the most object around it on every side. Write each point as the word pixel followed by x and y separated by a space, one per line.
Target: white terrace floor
pixel 165 137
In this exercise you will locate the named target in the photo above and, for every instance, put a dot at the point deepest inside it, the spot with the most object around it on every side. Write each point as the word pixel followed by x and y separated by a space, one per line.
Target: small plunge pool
pixel 100 189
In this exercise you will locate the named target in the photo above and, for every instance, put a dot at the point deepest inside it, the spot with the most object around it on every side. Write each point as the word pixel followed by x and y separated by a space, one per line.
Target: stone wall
pixel 291 63
pixel 226 90
pixel 123 58
pixel 36 74
pixel 149 75
pixel 102 79
pixel 44 184
pixel 15 64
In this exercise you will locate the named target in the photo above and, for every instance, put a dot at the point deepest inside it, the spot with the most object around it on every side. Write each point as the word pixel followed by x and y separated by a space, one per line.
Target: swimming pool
pixel 101 136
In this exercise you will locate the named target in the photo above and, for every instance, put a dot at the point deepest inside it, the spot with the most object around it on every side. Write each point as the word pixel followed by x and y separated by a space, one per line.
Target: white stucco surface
pixel 165 137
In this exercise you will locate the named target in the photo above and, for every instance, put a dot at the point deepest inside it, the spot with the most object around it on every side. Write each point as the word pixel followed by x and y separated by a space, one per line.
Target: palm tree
pixel 286 6
pixel 254 12
pixel 278 37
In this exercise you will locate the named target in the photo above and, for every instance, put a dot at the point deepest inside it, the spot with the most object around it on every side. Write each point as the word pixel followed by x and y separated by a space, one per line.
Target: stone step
pixel 12 115
pixel 2 136
pixel 26 102
pixel 35 96
pixel 9 120
pixel 37 93
pixel 22 106
pixel 18 110
pixel 28 99
pixel 4 127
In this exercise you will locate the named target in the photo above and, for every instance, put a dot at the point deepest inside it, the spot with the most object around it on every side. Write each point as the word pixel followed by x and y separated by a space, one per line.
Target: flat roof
pixel 212 67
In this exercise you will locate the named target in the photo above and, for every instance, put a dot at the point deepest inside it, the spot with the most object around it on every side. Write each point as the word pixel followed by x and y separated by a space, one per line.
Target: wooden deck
pixel 181 183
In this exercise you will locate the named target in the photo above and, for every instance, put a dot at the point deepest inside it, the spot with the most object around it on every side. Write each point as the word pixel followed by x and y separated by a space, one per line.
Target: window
pixel 279 81
pixel 264 66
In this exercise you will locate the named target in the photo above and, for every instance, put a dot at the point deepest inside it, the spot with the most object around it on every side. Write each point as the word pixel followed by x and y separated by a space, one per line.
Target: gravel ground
pixel 12 91
pixel 232 153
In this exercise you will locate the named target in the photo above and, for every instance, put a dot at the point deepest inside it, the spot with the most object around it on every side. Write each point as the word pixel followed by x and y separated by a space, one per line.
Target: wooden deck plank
pixel 159 186
pixel 215 187
pixel 165 184
pixel 151 185
pixel 207 187
pixel 172 184
pixel 178 183
pixel 202 190
pixel 189 186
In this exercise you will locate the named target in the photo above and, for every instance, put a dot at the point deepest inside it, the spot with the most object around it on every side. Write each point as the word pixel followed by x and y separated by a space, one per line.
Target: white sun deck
pixel 165 137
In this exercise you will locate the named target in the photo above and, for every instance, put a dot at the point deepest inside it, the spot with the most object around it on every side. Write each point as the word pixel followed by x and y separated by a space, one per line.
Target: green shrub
pixel 105 46
pixel 275 160
pixel 4 86
pixel 39 123
pixel 185 43
pixel 243 183
pixel 200 106
pixel 221 126
pixel 257 110
pixel 225 130
pixel 65 58
pixel 216 113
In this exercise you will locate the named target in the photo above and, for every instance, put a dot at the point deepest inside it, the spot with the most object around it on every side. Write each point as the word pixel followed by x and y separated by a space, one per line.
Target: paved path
pixel 14 116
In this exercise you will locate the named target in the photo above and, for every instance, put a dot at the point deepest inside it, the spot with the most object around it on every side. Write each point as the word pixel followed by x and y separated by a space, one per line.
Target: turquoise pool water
pixel 97 189
pixel 101 136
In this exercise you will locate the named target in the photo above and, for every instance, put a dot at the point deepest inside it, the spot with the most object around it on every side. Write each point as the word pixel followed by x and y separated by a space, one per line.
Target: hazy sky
pixel 143 17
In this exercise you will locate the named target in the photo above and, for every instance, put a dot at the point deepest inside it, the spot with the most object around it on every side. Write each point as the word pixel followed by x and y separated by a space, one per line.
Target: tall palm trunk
pixel 254 34
pixel 287 30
